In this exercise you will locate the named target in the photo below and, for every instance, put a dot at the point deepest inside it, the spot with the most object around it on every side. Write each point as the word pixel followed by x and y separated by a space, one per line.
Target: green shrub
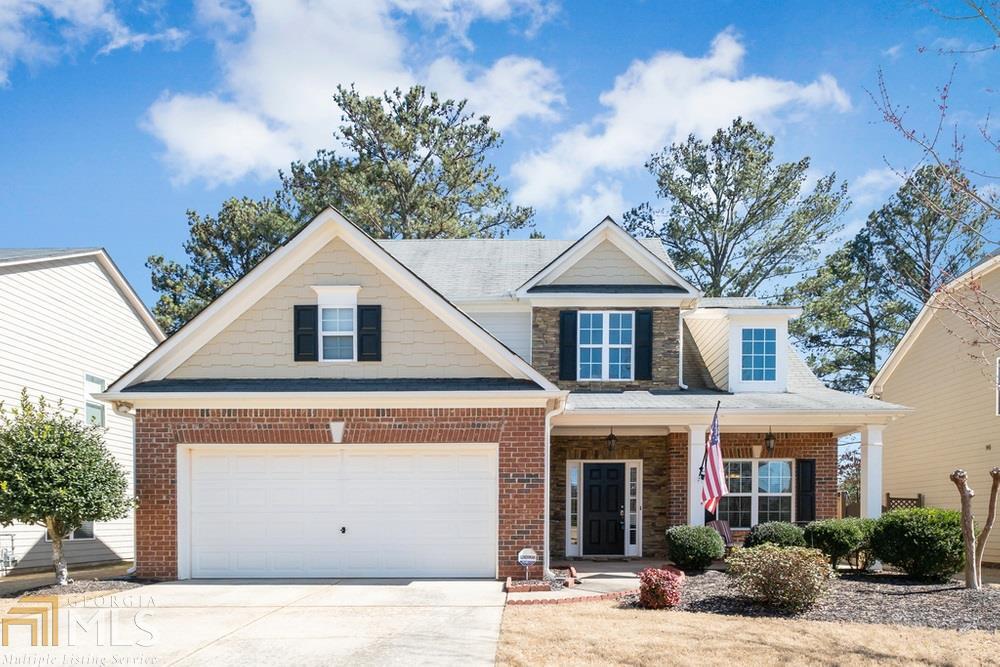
pixel 924 542
pixel 837 538
pixel 782 533
pixel 660 589
pixel 791 578
pixel 863 556
pixel 694 547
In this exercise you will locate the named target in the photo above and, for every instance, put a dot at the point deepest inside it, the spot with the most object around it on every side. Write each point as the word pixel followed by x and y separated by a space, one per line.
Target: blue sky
pixel 118 117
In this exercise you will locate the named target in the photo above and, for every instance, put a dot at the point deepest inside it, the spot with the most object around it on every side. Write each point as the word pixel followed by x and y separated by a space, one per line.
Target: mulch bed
pixel 857 598
pixel 84 586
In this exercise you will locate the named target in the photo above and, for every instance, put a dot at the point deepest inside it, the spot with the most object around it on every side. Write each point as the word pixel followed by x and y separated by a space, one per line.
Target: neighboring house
pixel 356 407
pixel 69 325
pixel 953 390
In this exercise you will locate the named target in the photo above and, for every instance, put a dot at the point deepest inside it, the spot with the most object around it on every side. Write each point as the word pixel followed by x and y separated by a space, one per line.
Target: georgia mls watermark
pixel 114 621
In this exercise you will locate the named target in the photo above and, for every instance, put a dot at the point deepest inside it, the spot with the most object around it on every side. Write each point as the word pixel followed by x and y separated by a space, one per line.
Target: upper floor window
pixel 338 329
pixel 759 355
pixel 93 410
pixel 605 340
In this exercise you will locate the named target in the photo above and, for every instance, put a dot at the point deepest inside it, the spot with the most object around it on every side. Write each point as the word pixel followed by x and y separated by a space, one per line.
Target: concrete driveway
pixel 301 622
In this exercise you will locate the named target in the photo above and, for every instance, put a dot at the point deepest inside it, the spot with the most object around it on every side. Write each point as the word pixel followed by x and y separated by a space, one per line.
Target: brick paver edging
pixel 589 598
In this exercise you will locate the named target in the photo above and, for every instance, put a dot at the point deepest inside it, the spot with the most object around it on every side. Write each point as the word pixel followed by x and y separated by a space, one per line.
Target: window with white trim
pixel 93 410
pixel 338 330
pixel 759 352
pixel 84 532
pixel 760 490
pixel 605 341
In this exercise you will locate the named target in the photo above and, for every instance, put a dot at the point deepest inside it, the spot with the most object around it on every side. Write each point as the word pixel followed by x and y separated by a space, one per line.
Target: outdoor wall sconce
pixel 612 441
pixel 769 441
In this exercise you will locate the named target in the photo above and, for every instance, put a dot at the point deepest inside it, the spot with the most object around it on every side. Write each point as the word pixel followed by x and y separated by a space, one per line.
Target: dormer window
pixel 337 305
pixel 759 355
pixel 606 340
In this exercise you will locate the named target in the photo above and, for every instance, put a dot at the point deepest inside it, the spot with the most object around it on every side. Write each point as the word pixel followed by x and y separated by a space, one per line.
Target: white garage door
pixel 385 511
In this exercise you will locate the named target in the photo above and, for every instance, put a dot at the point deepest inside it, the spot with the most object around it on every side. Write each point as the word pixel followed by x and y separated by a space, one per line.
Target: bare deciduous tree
pixel 975 545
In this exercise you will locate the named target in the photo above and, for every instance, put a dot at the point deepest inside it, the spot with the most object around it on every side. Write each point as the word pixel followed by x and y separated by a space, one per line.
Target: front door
pixel 604 509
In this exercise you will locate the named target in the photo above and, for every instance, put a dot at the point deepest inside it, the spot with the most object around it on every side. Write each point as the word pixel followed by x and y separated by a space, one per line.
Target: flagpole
pixel 704 457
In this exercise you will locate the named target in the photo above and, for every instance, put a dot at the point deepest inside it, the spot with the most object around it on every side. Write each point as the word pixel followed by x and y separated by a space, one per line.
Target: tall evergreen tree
pixel 853 315
pixel 735 219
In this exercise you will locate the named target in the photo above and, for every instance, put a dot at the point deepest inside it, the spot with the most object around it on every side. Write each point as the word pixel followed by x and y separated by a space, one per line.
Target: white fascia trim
pixel 315 399
pixel 608 230
pixel 588 300
pixel 838 421
pixel 326 226
pixel 722 313
pixel 918 325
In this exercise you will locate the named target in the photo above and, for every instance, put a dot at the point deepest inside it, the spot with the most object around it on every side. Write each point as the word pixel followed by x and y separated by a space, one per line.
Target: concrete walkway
pixel 597 579
pixel 300 622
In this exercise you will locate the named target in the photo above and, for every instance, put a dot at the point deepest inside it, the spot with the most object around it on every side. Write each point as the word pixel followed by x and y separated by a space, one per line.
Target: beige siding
pixel 605 265
pixel 60 320
pixel 954 424
pixel 712 338
pixel 415 343
pixel 511 327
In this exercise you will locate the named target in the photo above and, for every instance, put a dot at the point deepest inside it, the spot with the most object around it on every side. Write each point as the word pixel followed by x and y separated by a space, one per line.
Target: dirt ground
pixel 602 633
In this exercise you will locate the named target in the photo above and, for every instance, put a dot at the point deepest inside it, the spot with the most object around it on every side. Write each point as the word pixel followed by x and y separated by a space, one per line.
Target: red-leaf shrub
pixel 660 589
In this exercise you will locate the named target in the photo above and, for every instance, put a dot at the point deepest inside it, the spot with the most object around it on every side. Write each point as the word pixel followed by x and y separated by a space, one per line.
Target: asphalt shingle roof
pixel 465 269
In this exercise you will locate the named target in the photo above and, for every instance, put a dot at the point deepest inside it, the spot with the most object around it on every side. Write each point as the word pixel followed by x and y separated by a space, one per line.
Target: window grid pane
pixel 759 355
pixel 339 320
pixel 735 510
pixel 574 529
pixel 338 347
pixel 94 414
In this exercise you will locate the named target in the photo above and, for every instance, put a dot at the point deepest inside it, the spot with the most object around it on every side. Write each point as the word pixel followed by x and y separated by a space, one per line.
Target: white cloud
pixel 603 200
pixel 893 52
pixel 513 88
pixel 659 101
pixel 282 60
pixel 458 15
pixel 27 28
pixel 873 187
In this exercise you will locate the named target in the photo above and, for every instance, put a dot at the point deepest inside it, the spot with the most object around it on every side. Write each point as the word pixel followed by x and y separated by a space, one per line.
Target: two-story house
pixel 355 407
pixel 69 325
pixel 954 390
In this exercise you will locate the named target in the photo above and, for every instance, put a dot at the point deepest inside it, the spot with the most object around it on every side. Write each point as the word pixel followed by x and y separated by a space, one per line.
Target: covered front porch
pixel 619 481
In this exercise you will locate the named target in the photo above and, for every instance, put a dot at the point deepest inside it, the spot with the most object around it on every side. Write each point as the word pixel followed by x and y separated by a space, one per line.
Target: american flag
pixel 713 475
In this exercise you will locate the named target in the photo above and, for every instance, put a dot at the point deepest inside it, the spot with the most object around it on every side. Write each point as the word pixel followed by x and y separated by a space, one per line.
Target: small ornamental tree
pixel 56 472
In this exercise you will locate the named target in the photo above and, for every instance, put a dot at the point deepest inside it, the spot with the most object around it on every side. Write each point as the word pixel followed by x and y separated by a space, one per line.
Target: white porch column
pixel 871 471
pixel 696 453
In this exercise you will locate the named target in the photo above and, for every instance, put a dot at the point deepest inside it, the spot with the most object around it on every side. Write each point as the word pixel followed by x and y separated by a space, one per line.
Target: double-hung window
pixel 338 329
pixel 605 342
pixel 84 532
pixel 760 490
pixel 759 355
pixel 93 410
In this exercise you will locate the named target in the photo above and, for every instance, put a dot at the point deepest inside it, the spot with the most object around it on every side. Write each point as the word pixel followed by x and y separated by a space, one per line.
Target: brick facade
pixel 545 351
pixel 665 466
pixel 520 433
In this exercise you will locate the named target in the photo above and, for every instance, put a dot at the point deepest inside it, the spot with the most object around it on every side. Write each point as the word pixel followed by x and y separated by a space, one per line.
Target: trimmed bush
pixel 863 556
pixel 837 538
pixel 660 589
pixel 790 578
pixel 924 542
pixel 694 547
pixel 782 533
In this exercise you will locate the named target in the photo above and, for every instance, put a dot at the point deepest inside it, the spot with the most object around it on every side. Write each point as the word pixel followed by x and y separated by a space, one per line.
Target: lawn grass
pixel 601 633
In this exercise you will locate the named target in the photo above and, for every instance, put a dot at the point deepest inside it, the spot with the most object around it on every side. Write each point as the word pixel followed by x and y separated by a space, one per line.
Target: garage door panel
pixel 407 511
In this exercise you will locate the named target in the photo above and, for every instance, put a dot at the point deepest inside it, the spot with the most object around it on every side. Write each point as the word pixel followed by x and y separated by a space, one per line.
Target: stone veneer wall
pixel 545 350
pixel 520 433
pixel 665 467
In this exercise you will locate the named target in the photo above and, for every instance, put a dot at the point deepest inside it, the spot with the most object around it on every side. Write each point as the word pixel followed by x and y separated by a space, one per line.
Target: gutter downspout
pixel 558 408
pixel 680 351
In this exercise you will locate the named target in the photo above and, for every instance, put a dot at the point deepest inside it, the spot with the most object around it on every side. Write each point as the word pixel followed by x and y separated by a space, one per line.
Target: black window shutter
pixel 369 333
pixel 567 344
pixel 306 321
pixel 643 345
pixel 805 490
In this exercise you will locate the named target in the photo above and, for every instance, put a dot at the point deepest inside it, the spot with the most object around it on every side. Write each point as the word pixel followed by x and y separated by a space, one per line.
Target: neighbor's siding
pixel 712 339
pixel 415 343
pixel 60 320
pixel 954 423
pixel 511 327
pixel 605 265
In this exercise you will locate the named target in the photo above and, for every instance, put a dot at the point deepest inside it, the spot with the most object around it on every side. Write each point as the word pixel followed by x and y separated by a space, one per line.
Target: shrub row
pixel 791 578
